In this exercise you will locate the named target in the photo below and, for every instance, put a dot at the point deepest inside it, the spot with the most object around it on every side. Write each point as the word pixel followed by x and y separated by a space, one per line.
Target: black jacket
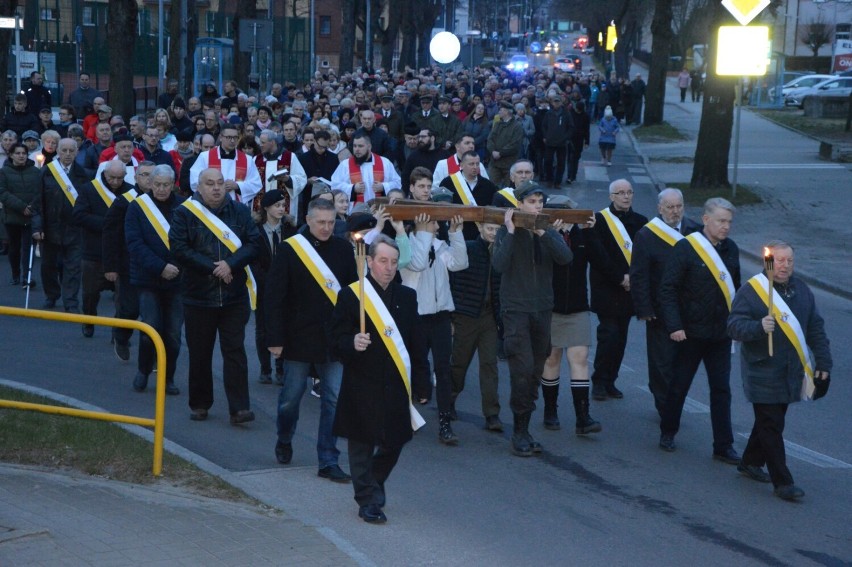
pixel 89 212
pixel 54 211
pixel 297 309
pixel 115 255
pixel 580 134
pixel 420 158
pixel 373 403
pixel 196 249
pixel 148 253
pixel 19 190
pixel 690 298
pixel 483 194
pixel 557 127
pixel 469 286
pixel 650 254
pixel 570 290
pixel 20 122
pixel 261 265
pixel 608 297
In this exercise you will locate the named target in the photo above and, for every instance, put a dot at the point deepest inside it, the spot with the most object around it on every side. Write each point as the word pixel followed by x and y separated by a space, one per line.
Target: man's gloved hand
pixel 821 382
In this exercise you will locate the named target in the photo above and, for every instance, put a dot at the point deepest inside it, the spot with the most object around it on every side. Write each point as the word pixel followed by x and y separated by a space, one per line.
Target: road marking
pixel 689 406
pixel 807 455
pixel 789 166
pixel 594 173
pixel 635 169
pixel 641 179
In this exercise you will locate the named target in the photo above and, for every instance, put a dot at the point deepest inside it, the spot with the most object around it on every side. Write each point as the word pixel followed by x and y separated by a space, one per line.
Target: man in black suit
pixel 373 410
pixel 652 247
pixel 393 118
pixel 469 187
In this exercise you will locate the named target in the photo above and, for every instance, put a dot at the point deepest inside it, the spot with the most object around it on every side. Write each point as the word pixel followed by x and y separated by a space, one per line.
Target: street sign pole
pixel 18 25
pixel 739 102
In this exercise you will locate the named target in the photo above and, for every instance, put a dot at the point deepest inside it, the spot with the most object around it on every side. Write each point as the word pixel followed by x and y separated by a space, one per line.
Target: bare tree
pixel 122 18
pixel 655 94
pixel 816 33
pixel 347 35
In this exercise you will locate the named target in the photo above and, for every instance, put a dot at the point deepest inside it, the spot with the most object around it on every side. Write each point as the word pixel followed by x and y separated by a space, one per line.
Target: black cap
pixel 122 137
pixel 425 98
pixel 528 188
pixel 360 221
pixel 46 108
pixel 412 129
pixel 183 136
pixel 442 99
pixel 271 197
pixel 178 103
pixel 507 105
pixel 387 98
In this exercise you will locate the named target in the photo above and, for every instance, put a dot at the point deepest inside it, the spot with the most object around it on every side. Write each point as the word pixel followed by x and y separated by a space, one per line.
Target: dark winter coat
pixel 20 122
pixel 196 249
pixel 263 262
pixel 148 253
pixel 506 138
pixel 469 285
pixel 609 299
pixel 373 403
pixel 90 213
pixel 570 288
pixel 297 309
pixel 776 379
pixel 650 254
pixel 115 254
pixel 690 298
pixel 18 190
pixel 54 211
pixel 557 127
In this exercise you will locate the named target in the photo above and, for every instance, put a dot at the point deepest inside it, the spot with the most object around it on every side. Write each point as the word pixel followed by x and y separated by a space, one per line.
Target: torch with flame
pixel 360 260
pixel 769 266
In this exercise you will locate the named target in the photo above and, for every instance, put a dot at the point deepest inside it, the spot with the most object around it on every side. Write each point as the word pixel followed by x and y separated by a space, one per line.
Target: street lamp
pixel 471 35
pixel 444 48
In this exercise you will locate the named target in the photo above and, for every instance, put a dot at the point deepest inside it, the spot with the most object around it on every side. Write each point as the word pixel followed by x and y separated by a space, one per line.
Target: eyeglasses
pixel 673 207
pixel 622 193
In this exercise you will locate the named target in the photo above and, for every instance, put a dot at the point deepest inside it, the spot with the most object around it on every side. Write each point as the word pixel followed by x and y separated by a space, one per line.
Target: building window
pixel 325 26
pixel 89 18
pixel 843 31
pixel 49 14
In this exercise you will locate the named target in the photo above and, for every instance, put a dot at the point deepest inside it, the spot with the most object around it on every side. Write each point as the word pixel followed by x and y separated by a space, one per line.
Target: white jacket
pixel 432 283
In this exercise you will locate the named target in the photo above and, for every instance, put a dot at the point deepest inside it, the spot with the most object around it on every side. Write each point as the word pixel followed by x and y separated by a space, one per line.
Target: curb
pixel 207 466
pixel 807 277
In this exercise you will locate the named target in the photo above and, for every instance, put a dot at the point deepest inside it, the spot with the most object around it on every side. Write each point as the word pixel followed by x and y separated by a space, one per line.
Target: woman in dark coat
pixel 20 180
pixel 771 383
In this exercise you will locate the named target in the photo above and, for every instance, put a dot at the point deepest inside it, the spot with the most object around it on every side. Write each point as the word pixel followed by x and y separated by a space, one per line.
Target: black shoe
pixel 265 378
pixel 31 284
pixel 48 303
pixel 613 392
pixel 521 437
pixel 283 452
pixel 122 351
pixel 789 492
pixel 372 514
pixel 493 423
pixel 445 430
pixel 551 418
pixel 279 378
pixel 667 442
pixel 88 331
pixel 334 473
pixel 242 416
pixel 753 472
pixel 140 382
pixel 728 456
pixel 535 446
pixel 15 280
pixel 521 447
pixel 198 415
pixel 599 392
pixel 171 389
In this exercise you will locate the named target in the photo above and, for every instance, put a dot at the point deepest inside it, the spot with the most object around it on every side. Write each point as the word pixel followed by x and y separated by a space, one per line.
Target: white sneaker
pixel 609 163
pixel 315 392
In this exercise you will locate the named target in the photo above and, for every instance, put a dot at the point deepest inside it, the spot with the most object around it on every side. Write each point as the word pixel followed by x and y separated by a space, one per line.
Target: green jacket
pixel 506 138
pixel 19 188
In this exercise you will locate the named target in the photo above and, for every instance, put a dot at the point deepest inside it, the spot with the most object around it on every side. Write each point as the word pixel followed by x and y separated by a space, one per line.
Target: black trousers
pixel 20 241
pixel 575 150
pixel 94 283
pixel 126 307
pixel 561 153
pixel 260 345
pixel 661 356
pixel 766 443
pixel 370 466
pixel 526 340
pixel 61 265
pixel 716 356
pixel 612 340
pixel 435 334
pixel 202 324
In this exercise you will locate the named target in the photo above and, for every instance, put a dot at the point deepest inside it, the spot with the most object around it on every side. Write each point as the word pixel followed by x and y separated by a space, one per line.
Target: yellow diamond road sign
pixel 745 10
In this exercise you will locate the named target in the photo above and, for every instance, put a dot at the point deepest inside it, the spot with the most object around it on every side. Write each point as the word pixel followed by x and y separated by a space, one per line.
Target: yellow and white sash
pixel 714 263
pixel 155 217
pixel 63 180
pixel 792 329
pixel 392 339
pixel 316 266
pixel 223 232
pixel 509 194
pixel 105 194
pixel 619 233
pixel 666 233
pixel 130 195
pixel 462 189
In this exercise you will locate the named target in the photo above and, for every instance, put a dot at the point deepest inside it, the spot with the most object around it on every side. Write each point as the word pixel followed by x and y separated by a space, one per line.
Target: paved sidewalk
pixel 806 199
pixel 58 518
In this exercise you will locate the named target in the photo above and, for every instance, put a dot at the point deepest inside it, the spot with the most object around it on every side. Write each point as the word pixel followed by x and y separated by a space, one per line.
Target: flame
pixel 766 253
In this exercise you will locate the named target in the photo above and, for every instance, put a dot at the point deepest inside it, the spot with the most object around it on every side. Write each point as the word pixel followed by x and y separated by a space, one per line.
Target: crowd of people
pixel 202 211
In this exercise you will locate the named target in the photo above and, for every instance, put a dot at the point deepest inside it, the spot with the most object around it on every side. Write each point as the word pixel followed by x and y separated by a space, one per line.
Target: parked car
pixel 835 86
pixel 799 82
pixel 518 64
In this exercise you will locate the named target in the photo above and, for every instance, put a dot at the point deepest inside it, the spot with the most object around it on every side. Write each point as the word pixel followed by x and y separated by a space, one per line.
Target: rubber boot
pixel 520 442
pixel 550 393
pixel 445 430
pixel 585 423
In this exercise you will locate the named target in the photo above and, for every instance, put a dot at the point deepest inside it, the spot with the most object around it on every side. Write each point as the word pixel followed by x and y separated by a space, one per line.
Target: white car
pixel 799 82
pixel 832 85
pixel 564 64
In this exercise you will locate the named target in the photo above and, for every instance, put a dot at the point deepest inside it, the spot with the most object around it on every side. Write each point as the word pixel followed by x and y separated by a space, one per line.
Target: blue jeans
pixel 163 310
pixel 295 384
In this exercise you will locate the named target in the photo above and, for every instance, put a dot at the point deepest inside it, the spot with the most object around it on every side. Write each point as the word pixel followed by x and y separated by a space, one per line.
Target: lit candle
pixel 360 259
pixel 39 160
pixel 769 266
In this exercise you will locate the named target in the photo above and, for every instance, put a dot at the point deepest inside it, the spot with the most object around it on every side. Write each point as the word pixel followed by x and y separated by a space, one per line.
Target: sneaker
pixel 609 163
pixel 315 387
pixel 122 351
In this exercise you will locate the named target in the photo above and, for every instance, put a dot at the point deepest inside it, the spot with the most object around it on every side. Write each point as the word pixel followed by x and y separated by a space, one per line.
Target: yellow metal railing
pixel 158 423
